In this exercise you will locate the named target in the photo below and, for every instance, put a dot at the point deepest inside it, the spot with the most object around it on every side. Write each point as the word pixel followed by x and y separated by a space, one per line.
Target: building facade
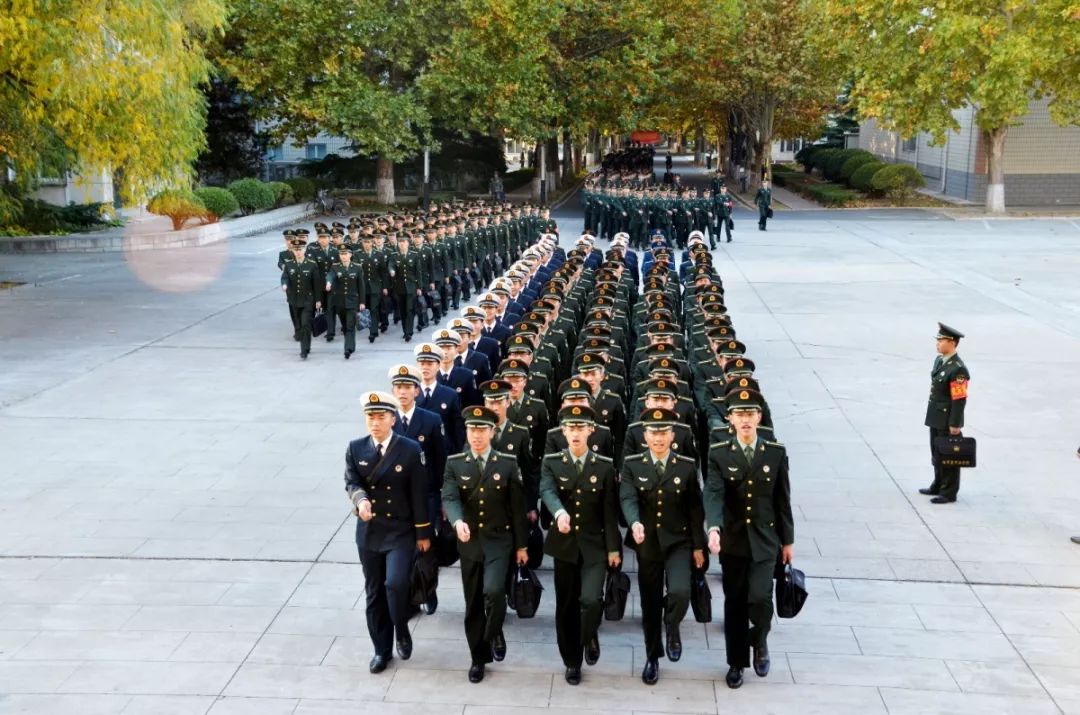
pixel 1042 159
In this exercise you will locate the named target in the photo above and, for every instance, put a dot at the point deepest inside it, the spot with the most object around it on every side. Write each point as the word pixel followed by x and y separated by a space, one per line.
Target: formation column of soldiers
pixel 588 397
pixel 629 202
pixel 412 266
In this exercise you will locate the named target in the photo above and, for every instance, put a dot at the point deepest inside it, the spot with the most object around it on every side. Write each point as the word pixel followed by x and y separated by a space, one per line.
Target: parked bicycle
pixel 327 205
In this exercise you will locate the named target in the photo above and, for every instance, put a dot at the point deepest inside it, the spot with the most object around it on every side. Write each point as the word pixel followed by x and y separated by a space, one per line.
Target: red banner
pixel 645 137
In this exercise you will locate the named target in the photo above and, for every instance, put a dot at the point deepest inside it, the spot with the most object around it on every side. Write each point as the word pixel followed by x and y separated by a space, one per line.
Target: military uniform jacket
pixel 592 501
pixel 492 504
pixel 600 442
pixel 406 271
pixel 532 414
pixel 426 429
pixel 635 441
pixel 396 486
pixel 948 393
pixel 749 502
pixel 303 283
pixel 515 441
pixel 347 285
pixel 373 266
pixel 669 507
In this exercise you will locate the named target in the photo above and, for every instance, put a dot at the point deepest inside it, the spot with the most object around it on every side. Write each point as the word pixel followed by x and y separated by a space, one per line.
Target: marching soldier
pixel 483 497
pixel 404 271
pixel 346 287
pixel 514 440
pixel 763 200
pixel 325 257
pixel 748 510
pixel 302 285
pixel 372 265
pixel 945 410
pixel 661 501
pixel 386 482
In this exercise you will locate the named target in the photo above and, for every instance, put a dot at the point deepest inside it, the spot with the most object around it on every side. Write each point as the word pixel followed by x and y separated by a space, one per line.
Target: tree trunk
pixel 538 173
pixel 568 157
pixel 699 145
pixel 995 168
pixel 553 165
pixel 384 181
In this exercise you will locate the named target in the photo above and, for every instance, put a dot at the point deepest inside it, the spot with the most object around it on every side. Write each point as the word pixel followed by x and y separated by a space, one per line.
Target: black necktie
pixel 404 422
pixel 378 451
pixel 458 361
pixel 427 394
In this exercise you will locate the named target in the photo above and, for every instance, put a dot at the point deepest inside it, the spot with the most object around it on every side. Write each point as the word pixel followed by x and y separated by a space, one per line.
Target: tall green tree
pixel 235 146
pixel 917 61
pixel 97 85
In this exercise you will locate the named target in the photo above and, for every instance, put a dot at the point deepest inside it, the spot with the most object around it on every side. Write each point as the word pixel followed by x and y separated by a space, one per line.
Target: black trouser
pixel 386 587
pixel 455 289
pixel 579 605
pixel 444 296
pixel 484 584
pixel 748 606
pixel 328 306
pixel 295 318
pixel 946 479
pixel 347 316
pixel 727 227
pixel 374 305
pixel 656 610
pixel 763 216
pixel 406 304
pixel 302 315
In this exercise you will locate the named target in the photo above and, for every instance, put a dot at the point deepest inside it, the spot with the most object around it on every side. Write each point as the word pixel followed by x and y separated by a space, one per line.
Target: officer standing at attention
pixel 661 501
pixel 483 496
pixel 580 489
pixel 386 482
pixel 748 512
pixel 763 200
pixel 302 285
pixel 346 285
pixel 945 410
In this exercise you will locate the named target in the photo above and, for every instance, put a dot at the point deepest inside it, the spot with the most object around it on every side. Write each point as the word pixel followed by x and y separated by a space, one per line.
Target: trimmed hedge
pixel 863 176
pixel 219 202
pixel 897 181
pixel 805 156
pixel 820 159
pixel 835 164
pixel 831 194
pixel 180 205
pixel 283 193
pixel 303 189
pixel 849 167
pixel 252 195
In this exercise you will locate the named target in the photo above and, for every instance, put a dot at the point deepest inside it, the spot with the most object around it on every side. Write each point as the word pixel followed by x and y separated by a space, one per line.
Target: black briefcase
pixel 616 591
pixel 790 592
pixel 700 595
pixel 958 451
pixel 424 579
pixel 319 324
pixel 535 546
pixel 445 546
pixel 527 590
pixel 768 212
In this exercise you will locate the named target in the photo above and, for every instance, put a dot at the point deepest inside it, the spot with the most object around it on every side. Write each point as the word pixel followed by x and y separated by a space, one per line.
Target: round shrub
pixel 219 202
pixel 283 193
pixel 854 163
pixel 835 164
pixel 180 205
pixel 303 189
pixel 819 159
pixel 897 181
pixel 864 175
pixel 252 195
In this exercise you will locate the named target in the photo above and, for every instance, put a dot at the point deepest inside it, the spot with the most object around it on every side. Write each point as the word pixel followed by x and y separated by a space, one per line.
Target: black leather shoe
pixel 431 605
pixel 928 491
pixel 942 500
pixel 651 673
pixel 404 647
pixel 371 338
pixel 1075 539
pixel 303 356
pixel 674 644
pixel 592 651
pixel 476 672
pixel 573 676
pixel 348 354
pixel 378 663
pixel 733 677
pixel 296 338
pixel 329 338
pixel 498 647
pixel 762 661
pixel 383 328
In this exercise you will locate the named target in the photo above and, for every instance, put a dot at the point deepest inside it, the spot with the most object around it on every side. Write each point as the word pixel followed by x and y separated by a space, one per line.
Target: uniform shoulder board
pixel 554 455
pixel 602 458
pixel 459 455
pixel 774 443
pixel 634 424
pixel 505 454
pixel 684 458
pixel 715 379
pixel 554 429
pixel 639 383
pixel 724 443
pixel 684 399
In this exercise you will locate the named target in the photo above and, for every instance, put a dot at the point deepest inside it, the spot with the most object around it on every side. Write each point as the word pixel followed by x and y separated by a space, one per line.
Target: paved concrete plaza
pixel 175 538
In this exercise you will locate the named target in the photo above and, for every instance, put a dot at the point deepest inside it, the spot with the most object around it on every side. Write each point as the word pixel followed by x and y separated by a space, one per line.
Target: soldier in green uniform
pixel 661 501
pixel 945 410
pixel 345 286
pixel 580 489
pixel 748 512
pixel 325 257
pixel 484 502
pixel 372 265
pixel 303 288
pixel 723 204
pixel 763 200
pixel 286 253
pixel 404 271
pixel 513 439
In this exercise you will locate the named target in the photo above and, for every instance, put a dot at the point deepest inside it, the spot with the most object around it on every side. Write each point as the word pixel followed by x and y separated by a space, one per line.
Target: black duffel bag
pixel 616 592
pixel 445 545
pixel 700 595
pixel 955 451
pixel 424 579
pixel 790 591
pixel 527 590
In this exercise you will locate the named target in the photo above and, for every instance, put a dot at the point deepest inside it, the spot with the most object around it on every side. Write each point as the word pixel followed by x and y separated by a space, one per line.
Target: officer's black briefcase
pixel 958 451
pixel 616 591
pixel 700 595
pixel 319 324
pixel 527 590
pixel 790 591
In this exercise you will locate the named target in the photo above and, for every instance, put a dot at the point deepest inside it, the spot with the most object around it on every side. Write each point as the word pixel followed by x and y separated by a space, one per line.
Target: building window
pixel 276 154
pixel 910 145
pixel 315 151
